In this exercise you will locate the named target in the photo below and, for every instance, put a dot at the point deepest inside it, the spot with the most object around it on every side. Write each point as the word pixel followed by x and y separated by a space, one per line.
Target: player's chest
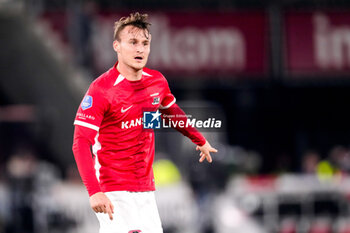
pixel 132 104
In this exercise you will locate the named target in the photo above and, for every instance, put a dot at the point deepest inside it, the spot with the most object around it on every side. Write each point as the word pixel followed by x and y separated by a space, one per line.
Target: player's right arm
pixel 87 123
pixel 83 139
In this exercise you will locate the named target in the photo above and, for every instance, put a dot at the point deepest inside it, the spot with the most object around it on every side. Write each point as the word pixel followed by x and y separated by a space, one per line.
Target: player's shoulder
pixel 155 74
pixel 104 81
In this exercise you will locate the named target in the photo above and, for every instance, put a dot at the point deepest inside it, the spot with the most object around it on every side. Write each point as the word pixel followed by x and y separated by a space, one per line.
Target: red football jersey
pixel 113 106
pixel 110 119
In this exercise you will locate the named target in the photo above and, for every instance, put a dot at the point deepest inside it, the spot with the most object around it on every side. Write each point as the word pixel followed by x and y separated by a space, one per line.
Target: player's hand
pixel 100 203
pixel 205 152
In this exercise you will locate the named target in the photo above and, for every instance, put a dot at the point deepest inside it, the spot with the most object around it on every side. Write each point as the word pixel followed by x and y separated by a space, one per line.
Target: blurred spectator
pixel 29 182
pixel 309 162
pixel 21 170
pixel 339 156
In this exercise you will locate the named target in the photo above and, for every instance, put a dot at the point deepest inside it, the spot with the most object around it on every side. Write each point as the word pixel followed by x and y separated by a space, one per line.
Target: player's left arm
pixel 191 132
pixel 169 107
pixel 206 149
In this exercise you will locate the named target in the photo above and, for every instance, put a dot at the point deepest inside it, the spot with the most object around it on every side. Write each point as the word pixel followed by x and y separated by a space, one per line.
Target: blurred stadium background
pixel 276 72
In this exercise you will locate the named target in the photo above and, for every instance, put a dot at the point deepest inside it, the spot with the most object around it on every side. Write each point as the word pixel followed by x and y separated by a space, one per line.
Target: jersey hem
pixel 128 189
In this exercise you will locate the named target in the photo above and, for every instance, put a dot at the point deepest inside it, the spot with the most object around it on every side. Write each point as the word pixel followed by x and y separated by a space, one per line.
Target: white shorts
pixel 133 212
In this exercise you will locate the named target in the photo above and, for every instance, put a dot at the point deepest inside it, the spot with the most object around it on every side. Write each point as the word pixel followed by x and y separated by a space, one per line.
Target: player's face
pixel 134 47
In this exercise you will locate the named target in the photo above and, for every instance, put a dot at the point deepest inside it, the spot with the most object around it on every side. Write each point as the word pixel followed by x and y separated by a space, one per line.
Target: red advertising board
pixel 197 43
pixel 317 43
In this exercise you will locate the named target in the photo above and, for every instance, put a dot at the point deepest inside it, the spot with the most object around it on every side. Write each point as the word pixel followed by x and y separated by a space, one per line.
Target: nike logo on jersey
pixel 126 109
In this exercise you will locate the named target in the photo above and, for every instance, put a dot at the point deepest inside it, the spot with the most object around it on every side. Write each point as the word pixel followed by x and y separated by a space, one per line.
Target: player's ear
pixel 116 46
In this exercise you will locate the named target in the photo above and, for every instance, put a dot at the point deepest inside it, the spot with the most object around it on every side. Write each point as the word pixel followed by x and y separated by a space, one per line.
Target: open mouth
pixel 138 58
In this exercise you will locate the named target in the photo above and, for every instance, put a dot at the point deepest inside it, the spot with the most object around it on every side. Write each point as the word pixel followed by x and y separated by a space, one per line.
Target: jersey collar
pixel 120 77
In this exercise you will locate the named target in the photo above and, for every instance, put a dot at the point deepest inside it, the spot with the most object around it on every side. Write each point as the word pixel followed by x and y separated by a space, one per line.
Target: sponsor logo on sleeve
pixel 87 102
pixel 83 116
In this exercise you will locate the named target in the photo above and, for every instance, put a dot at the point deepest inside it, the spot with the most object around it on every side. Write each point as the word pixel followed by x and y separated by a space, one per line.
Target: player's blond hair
pixel 135 19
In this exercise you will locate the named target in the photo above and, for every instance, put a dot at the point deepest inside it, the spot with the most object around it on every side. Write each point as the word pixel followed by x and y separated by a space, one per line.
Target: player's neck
pixel 129 73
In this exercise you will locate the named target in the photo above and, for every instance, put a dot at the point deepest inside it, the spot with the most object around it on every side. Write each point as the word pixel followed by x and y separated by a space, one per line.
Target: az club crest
pixel 156 100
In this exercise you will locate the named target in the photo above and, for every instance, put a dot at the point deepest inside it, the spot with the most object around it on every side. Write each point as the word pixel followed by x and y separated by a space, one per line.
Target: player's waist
pixel 118 145
pixel 133 180
pixel 126 187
